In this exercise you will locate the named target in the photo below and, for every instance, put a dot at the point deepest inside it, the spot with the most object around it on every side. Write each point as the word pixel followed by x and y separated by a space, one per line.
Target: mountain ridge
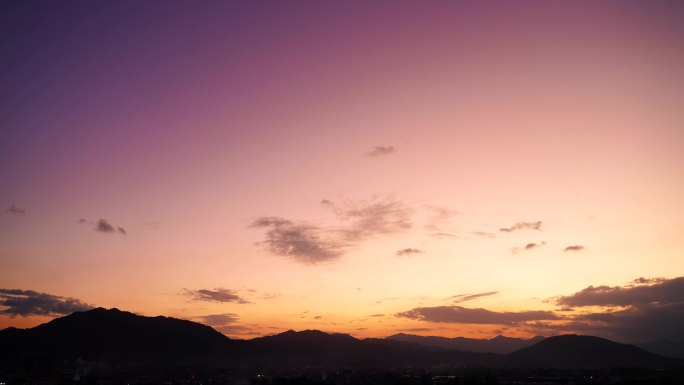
pixel 121 337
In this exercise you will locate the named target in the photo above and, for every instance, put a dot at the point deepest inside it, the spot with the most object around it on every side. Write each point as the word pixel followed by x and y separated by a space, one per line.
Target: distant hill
pixel 313 347
pixel 573 351
pixel 114 338
pixel 665 347
pixel 498 344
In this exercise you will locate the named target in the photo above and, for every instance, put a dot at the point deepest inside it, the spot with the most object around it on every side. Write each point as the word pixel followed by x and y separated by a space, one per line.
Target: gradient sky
pixel 433 167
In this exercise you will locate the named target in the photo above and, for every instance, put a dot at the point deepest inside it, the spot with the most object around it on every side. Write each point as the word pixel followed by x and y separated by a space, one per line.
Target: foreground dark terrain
pixel 113 346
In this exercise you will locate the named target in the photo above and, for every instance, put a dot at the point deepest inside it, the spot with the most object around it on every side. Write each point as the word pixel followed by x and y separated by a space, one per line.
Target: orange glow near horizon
pixel 338 166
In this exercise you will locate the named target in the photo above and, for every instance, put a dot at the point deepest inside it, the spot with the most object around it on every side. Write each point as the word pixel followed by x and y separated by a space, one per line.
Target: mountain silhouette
pixel 115 335
pixel 121 338
pixel 498 344
pixel 574 351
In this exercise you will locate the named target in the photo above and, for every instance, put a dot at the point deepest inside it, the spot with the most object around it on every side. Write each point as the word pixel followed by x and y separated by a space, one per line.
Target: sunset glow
pixel 434 168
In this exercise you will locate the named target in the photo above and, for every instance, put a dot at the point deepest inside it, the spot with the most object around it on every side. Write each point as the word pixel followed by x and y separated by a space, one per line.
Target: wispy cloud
pixel 438 217
pixel 368 218
pixel 311 244
pixel 444 235
pixel 462 315
pixel 386 299
pixel 302 242
pixel 522 226
pixel 220 295
pixel 467 297
pixel 484 234
pixel 15 210
pixel 381 150
pixel 29 302
pixel 574 248
pixel 407 251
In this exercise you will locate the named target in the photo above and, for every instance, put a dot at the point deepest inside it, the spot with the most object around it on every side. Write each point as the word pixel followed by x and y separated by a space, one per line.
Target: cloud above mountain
pixel 463 315
pixel 25 303
pixel 645 309
pixel 219 295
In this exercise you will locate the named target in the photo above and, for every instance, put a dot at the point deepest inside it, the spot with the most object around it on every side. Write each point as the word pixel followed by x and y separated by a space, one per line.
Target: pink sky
pixel 287 152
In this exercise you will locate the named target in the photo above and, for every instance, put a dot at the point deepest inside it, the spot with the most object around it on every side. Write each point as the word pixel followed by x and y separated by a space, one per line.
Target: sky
pixel 451 168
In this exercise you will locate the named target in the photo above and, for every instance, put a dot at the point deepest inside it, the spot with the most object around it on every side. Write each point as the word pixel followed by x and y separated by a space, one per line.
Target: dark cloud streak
pixel 462 315
pixel 468 297
pixel 29 302
pixel 407 251
pixel 15 210
pixel 220 295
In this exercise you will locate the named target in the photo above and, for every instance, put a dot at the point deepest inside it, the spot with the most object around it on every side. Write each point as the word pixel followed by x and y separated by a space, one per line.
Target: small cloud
pixel 381 150
pixel 408 251
pixel 15 210
pixel 574 248
pixel 220 295
pixel 377 315
pixel 522 226
pixel 28 302
pixel 103 226
pixel 218 319
pixel 528 246
pixel 317 317
pixel 467 297
pixel 534 245
pixel 82 221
